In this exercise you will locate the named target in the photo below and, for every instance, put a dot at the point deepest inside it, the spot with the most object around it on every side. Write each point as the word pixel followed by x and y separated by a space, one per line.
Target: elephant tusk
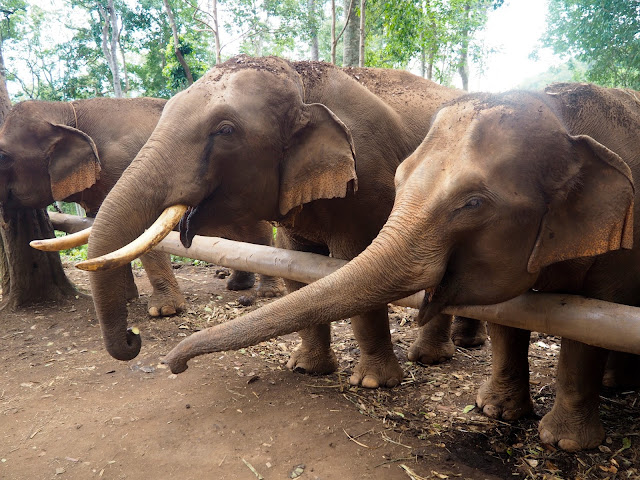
pixel 62 243
pixel 145 242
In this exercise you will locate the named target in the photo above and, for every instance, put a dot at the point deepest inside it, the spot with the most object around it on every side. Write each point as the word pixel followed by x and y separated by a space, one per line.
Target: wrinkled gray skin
pixel 76 151
pixel 265 139
pixel 507 193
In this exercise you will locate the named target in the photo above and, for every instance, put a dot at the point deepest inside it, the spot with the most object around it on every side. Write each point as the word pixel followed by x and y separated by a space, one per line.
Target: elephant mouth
pixel 434 302
pixel 187 227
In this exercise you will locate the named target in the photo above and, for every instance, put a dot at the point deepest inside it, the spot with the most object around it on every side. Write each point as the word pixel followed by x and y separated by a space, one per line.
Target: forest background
pixel 71 49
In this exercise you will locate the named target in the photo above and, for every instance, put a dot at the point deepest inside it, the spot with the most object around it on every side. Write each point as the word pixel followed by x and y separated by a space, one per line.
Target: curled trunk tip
pixel 127 350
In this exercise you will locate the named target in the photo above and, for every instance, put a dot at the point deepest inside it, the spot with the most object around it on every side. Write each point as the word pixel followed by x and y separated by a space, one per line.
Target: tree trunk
pixel 313 30
pixel 351 35
pixel 5 102
pixel 109 47
pixel 363 4
pixel 463 64
pixel 216 31
pixel 334 40
pixel 124 67
pixel 34 276
pixel 176 43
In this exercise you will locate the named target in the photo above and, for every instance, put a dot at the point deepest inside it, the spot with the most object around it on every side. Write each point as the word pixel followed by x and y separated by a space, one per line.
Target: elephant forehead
pixel 23 131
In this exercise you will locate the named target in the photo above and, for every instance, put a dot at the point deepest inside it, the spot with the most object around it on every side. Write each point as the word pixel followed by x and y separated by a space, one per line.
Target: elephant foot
pixel 572 429
pixel 165 304
pixel 468 332
pixel 507 400
pixel 240 280
pixel 375 372
pixel 313 361
pixel 431 354
pixel 433 344
pixel 622 371
pixel 271 287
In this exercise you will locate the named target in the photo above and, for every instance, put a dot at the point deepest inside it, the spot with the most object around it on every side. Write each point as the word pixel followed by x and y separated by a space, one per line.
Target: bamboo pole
pixel 594 322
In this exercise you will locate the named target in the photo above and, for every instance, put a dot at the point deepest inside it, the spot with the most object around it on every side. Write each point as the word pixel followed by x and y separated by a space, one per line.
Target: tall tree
pixel 176 43
pixel 362 33
pixel 440 34
pixel 208 17
pixel 603 35
pixel 351 42
pixel 313 30
pixel 110 39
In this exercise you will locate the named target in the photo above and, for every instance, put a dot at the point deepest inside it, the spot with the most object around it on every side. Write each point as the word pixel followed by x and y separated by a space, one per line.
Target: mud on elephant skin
pixel 74 151
pixel 509 192
pixel 291 142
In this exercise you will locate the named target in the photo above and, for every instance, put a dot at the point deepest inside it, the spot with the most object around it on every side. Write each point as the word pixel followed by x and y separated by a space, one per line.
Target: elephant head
pixel 239 145
pixel 42 161
pixel 497 193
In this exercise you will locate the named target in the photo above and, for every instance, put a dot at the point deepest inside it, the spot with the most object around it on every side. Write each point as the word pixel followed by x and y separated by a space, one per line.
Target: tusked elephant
pixel 76 151
pixel 305 144
pixel 507 193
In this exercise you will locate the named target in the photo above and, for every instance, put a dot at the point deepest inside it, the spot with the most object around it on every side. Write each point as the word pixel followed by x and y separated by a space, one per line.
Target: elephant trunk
pixel 379 275
pixel 130 207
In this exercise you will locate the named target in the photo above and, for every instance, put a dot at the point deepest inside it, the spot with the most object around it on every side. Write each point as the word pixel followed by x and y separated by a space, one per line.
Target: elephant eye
pixel 225 130
pixel 474 202
pixel 4 160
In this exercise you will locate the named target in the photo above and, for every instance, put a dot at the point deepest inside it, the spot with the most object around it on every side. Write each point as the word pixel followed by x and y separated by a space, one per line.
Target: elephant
pixel 76 151
pixel 304 144
pixel 508 193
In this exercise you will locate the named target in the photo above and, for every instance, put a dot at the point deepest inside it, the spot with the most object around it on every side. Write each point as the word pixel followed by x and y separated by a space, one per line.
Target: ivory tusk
pixel 62 243
pixel 145 242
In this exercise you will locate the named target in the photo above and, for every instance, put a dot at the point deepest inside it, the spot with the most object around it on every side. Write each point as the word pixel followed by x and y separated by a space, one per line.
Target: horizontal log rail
pixel 594 322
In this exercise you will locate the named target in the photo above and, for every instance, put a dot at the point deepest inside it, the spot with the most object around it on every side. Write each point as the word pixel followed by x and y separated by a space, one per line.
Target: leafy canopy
pixel 604 34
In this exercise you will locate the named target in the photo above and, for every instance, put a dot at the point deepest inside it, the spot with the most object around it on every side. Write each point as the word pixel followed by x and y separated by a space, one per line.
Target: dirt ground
pixel 69 411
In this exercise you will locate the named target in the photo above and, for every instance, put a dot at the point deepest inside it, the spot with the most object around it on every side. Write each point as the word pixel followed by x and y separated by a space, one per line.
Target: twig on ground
pixel 394 460
pixel 354 440
pixel 255 472
pixel 387 439
pixel 413 475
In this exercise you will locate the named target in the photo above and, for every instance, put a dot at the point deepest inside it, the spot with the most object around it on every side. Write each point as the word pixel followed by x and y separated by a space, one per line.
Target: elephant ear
pixel 592 213
pixel 74 164
pixel 319 161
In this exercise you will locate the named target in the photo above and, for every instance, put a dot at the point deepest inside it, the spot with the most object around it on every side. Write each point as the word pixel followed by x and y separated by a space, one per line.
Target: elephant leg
pixel 573 423
pixel 622 370
pixel 166 299
pixel 506 394
pixel 260 233
pixel 378 365
pixel 131 290
pixel 433 344
pixel 270 287
pixel 240 280
pixel 314 354
pixel 468 332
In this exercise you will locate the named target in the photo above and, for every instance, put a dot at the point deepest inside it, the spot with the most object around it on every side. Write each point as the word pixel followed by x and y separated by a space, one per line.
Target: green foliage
pixel 572 71
pixel 75 254
pixel 433 32
pixel 173 71
pixel 55 49
pixel 12 16
pixel 603 35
